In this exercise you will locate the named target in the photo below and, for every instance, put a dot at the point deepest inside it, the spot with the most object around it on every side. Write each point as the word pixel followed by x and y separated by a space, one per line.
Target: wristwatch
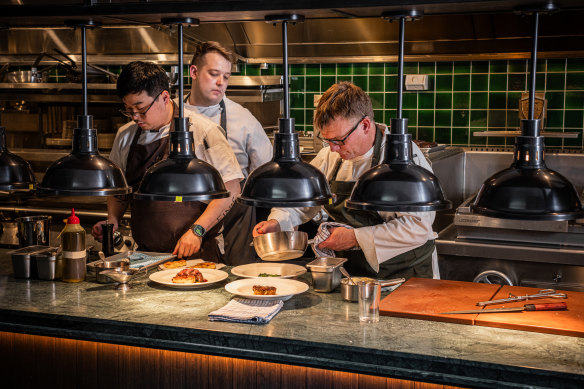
pixel 198 230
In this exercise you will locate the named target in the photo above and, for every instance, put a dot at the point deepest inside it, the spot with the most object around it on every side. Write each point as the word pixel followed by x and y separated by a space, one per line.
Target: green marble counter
pixel 313 329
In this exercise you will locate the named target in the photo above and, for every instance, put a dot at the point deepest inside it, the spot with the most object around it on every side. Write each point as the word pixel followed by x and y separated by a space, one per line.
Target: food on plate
pixel 424 144
pixel 188 276
pixel 264 290
pixel 206 265
pixel 175 264
pixel 268 275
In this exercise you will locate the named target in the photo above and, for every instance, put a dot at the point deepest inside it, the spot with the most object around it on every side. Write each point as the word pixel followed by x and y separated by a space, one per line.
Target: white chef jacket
pixel 245 134
pixel 209 142
pixel 401 232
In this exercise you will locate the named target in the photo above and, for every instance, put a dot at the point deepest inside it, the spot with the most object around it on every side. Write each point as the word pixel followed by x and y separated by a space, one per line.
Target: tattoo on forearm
pixel 226 210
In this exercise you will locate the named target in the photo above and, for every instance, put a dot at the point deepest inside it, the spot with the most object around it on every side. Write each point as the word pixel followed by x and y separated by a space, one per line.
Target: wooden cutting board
pixel 569 322
pixel 424 298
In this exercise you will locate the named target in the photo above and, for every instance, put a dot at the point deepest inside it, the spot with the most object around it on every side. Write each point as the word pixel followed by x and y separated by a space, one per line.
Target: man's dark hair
pixel 141 76
pixel 203 48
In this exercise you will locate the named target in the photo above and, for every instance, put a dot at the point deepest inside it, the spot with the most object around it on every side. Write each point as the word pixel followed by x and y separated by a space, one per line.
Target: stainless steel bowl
pixel 280 246
pixel 122 277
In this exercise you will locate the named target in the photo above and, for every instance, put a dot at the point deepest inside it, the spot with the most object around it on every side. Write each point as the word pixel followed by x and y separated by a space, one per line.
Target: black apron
pixel 158 225
pixel 414 263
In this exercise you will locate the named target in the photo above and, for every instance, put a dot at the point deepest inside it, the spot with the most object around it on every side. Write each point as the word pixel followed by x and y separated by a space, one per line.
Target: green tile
pixel 498 67
pixel 555 100
pixel 517 66
pixel 477 140
pixel 574 119
pixel 460 118
pixel 461 67
pixel 555 81
pixel 556 65
pixel 378 115
pixel 296 100
pixel 390 83
pixel 497 100
pixel 496 141
pixel 461 100
pixel 444 68
pixel 252 70
pixel 309 103
pixel 443 135
pixel 517 82
pixel 426 134
pixel 345 77
pixel 575 81
pixel 411 115
pixel 361 68
pixel 388 115
pixel 312 84
pixel 411 68
pixel 540 67
pixel 443 83
pixel 426 100
pixel 267 72
pixel 479 82
pixel 555 118
pixel 443 100
pixel 298 115
pixel 328 69
pixel 497 118
pixel 461 82
pixel 427 67
pixel 539 82
pixel 460 136
pixel 574 100
pixel 443 118
pixel 575 64
pixel 376 68
pixel 498 82
pixel 512 119
pixel 376 84
pixel 391 68
pixel 278 70
pixel 376 100
pixel 478 118
pixel 574 142
pixel 410 100
pixel 480 66
pixel 391 100
pixel 425 117
pixel 313 70
pixel 513 100
pixel 345 69
pixel 479 100
pixel 361 81
pixel 297 70
pixel 297 83
pixel 326 82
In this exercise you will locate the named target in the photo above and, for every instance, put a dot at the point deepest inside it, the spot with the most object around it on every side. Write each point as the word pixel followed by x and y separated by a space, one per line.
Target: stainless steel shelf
pixel 517 133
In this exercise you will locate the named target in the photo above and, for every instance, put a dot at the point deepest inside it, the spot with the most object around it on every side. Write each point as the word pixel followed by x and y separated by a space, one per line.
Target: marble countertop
pixel 313 329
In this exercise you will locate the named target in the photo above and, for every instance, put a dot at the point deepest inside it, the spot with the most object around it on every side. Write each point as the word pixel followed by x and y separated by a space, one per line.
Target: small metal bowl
pixel 99 267
pixel 281 246
pixel 122 277
pixel 350 292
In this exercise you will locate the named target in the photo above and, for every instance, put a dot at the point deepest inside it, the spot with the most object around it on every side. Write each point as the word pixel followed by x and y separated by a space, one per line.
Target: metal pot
pixel 99 267
pixel 280 246
pixel 350 292
pixel 24 76
pixel 33 230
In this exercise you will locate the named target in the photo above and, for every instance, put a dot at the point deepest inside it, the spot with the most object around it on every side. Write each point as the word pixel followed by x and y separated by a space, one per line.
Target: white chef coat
pixel 209 142
pixel 401 232
pixel 245 134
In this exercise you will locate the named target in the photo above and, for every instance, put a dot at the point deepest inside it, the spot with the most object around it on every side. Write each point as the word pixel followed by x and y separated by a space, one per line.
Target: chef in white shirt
pixel 379 244
pixel 210 70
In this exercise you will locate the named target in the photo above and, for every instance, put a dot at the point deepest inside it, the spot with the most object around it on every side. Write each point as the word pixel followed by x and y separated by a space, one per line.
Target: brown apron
pixel 416 262
pixel 158 225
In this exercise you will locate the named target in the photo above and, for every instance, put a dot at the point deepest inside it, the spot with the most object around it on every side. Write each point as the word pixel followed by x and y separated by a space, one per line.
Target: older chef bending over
pixel 390 244
pixel 183 228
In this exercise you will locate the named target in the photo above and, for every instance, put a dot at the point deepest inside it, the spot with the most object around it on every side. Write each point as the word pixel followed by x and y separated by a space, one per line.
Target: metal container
pixel 350 292
pixel 49 263
pixel 33 230
pixel 281 246
pixel 325 272
pixel 21 261
pixel 99 267
pixel 23 76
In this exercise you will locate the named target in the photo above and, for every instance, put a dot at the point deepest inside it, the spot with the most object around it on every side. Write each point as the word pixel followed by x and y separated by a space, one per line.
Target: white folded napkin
pixel 322 234
pixel 240 310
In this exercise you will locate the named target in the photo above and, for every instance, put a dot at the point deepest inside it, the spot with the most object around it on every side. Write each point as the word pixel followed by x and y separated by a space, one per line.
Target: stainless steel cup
pixel 33 230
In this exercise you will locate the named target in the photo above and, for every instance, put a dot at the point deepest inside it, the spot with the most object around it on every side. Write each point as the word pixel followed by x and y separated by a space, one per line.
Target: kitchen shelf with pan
pixel 547 134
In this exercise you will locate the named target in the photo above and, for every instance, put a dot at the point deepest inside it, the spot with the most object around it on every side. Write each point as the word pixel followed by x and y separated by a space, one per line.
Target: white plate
pixel 253 270
pixel 191 262
pixel 285 288
pixel 165 278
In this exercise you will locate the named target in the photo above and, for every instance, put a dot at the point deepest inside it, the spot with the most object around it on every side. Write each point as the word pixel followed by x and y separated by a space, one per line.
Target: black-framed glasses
pixel 341 141
pixel 131 114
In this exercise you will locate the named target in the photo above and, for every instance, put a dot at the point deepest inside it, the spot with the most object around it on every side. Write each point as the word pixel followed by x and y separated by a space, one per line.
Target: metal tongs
pixel 543 293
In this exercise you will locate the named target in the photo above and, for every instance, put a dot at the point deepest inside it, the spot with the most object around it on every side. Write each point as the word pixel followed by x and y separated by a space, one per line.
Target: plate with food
pixel 194 263
pixel 268 269
pixel 188 278
pixel 266 288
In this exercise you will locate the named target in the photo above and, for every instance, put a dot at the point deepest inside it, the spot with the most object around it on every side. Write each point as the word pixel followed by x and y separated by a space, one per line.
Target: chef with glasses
pixel 376 244
pixel 183 228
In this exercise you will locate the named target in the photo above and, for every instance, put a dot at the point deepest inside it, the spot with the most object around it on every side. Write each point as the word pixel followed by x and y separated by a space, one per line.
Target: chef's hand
pixel 97 230
pixel 187 245
pixel 341 238
pixel 265 227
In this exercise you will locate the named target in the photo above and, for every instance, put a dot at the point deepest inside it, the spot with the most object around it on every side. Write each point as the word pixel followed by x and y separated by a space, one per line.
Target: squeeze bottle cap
pixel 73 219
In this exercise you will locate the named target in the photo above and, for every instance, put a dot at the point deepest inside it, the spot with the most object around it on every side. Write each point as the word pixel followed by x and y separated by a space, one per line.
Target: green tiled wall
pixel 464 97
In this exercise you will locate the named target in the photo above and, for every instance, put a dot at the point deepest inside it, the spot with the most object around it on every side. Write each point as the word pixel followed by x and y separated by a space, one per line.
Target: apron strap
pixel 223 116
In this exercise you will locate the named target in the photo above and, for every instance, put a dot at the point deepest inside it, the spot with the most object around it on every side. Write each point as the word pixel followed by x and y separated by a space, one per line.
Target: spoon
pixel 346 274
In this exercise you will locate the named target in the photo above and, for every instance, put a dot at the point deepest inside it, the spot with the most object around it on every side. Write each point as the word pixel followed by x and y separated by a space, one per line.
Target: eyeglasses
pixel 341 141
pixel 131 114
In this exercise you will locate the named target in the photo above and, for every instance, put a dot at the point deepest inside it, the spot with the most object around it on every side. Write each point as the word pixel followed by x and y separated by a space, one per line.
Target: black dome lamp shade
pixel 84 172
pixel 182 176
pixel 397 184
pixel 15 173
pixel 528 190
pixel 286 181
